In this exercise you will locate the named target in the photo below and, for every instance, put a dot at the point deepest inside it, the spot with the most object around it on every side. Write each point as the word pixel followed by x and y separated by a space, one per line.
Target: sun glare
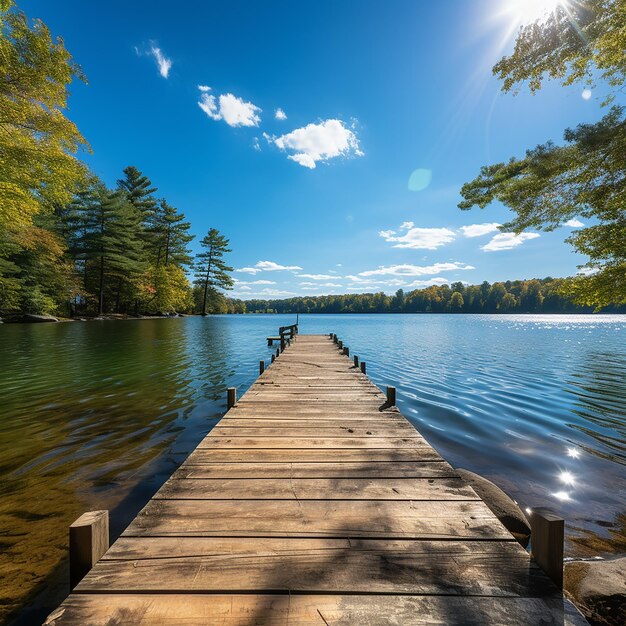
pixel 527 11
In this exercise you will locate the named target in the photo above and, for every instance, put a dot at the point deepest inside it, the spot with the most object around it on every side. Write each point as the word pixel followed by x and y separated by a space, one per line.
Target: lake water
pixel 98 414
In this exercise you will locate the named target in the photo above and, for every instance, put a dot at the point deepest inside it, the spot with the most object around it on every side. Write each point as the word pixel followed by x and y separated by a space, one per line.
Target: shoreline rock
pixel 501 505
pixel 31 318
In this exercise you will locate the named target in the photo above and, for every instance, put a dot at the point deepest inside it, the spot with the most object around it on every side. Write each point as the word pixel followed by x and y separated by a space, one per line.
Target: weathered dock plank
pixel 314 502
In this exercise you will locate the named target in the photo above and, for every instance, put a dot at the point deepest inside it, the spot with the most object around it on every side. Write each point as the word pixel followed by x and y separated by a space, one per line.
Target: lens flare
pixel 527 11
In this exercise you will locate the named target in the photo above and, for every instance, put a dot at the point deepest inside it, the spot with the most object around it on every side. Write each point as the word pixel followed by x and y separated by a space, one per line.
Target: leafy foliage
pixel 569 45
pixel 519 296
pixel 586 176
pixel 38 167
pixel 212 273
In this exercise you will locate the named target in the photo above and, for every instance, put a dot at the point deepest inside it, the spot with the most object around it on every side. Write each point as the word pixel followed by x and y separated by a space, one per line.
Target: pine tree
pixel 171 234
pixel 139 191
pixel 212 273
pixel 108 245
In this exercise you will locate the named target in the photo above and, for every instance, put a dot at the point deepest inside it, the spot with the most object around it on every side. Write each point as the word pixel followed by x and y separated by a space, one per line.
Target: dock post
pixel 261 367
pixel 282 343
pixel 356 361
pixel 273 357
pixel 277 352
pixel 89 540
pixel 340 344
pixel 391 396
pixel 335 339
pixel 363 368
pixel 269 341
pixel 330 335
pixel 346 351
pixel 547 535
pixel 232 397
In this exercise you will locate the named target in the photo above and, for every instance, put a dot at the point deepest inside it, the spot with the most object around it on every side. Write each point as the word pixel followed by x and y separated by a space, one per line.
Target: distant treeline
pixel 519 296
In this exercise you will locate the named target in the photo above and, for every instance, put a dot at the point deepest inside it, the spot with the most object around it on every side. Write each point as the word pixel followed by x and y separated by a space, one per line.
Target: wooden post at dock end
pixel 335 338
pixel 340 344
pixel 89 540
pixel 547 535
pixel 232 397
pixel 261 367
pixel 363 367
pixel 346 351
pixel 330 335
pixel 282 343
pixel 391 396
pixel 356 361
pixel 273 357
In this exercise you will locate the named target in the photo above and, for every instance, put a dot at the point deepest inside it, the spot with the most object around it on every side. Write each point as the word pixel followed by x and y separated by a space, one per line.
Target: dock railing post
pixel 346 351
pixel 232 397
pixel 273 357
pixel 356 361
pixel 363 367
pixel 277 352
pixel 391 396
pixel 547 535
pixel 335 339
pixel 340 344
pixel 261 367
pixel 89 540
pixel 282 343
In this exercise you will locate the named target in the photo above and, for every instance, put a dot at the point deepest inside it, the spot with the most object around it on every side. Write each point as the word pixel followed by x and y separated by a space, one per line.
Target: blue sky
pixel 371 92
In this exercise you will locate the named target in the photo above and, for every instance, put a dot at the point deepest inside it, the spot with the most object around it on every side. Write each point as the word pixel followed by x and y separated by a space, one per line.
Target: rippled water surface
pixel 98 414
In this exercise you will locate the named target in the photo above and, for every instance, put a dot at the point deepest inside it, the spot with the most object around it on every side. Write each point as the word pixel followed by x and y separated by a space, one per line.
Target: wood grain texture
pixel 314 502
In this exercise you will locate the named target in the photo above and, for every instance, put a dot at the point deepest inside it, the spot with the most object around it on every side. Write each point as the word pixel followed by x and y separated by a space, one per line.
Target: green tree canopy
pixel 212 273
pixel 584 177
pixel 38 167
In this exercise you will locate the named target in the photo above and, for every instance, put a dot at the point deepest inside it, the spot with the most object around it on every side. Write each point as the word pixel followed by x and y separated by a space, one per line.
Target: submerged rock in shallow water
pixel 501 505
pixel 598 588
pixel 30 318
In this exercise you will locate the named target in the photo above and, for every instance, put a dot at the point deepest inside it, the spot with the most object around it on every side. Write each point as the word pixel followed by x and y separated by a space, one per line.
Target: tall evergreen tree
pixel 212 273
pixel 171 233
pixel 139 190
pixel 108 245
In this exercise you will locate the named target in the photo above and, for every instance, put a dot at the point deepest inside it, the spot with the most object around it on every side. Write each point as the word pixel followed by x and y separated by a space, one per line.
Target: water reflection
pixel 97 415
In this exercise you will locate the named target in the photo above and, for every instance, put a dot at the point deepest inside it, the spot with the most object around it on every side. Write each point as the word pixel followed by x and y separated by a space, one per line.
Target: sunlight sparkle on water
pixel 573 453
pixel 562 495
pixel 568 478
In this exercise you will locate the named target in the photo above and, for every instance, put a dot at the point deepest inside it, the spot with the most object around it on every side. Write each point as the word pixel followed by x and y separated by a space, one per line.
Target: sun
pixel 527 11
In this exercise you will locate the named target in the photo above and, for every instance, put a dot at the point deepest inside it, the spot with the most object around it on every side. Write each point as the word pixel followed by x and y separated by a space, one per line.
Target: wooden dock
pixel 314 502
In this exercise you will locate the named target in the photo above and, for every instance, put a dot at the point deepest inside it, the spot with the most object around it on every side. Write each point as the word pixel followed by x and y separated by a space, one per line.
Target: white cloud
pixel 248 270
pixel 276 292
pixel 164 64
pixel 415 270
pixel 256 145
pixel 255 282
pixel 318 142
pixel 477 230
pixel 419 238
pixel 228 107
pixel 270 266
pixel 587 271
pixel 279 114
pixel 507 241
pixel 428 283
pixel 317 276
pixel 574 223
pixel 316 285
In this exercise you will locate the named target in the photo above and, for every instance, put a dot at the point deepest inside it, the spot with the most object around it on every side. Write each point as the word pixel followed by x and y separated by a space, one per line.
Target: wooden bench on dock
pixel 285 333
pixel 314 501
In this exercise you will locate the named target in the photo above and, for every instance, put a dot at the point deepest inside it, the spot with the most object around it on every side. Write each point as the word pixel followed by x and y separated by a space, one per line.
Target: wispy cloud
pixel 164 64
pixel 254 282
pixel 318 142
pixel 507 241
pixel 407 269
pixel 418 238
pixel 478 230
pixel 228 107
pixel 279 114
pixel 317 285
pixel 317 276
pixel 268 266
